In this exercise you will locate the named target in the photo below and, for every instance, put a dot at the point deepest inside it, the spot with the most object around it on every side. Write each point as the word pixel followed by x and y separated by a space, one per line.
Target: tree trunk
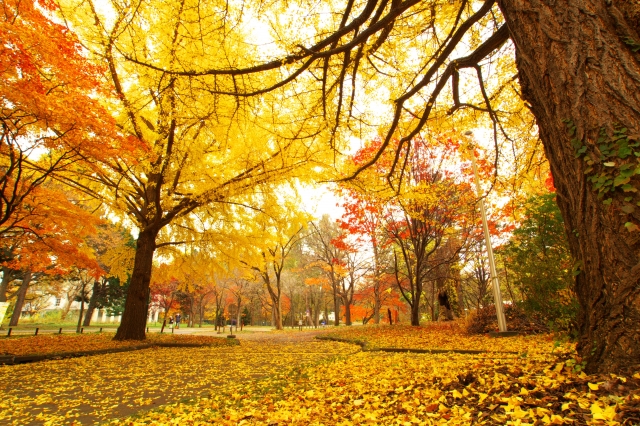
pixel 460 294
pixel 376 286
pixel 239 313
pixel 132 326
pixel 22 293
pixel 415 314
pixel 326 314
pixel 8 275
pixel 336 307
pixel 277 313
pixel 347 310
pixel 574 64
pixel 376 306
pixel 95 293
pixel 82 295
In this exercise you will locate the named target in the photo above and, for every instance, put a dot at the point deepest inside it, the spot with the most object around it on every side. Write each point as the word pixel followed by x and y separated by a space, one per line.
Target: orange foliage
pixel 60 343
pixel 51 235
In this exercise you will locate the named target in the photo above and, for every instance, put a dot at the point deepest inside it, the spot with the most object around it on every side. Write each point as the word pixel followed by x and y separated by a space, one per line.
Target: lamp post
pixel 497 296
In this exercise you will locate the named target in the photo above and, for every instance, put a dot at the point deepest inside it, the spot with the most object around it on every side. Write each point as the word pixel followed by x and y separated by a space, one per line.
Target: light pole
pixel 497 296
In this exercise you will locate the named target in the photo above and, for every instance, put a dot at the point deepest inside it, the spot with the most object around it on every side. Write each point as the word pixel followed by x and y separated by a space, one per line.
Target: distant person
pixel 178 321
pixel 171 320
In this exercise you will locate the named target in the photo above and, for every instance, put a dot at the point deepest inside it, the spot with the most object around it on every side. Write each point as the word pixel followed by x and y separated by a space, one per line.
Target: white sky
pixel 319 200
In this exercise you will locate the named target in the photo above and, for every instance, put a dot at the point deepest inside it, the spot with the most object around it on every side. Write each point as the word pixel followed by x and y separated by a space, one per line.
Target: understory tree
pixel 540 264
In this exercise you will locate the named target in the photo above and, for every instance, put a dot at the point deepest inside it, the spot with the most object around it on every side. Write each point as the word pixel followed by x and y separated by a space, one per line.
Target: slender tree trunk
pixel 22 293
pixel 95 293
pixel 277 313
pixel 376 305
pixel 82 295
pixel 336 306
pixel 376 286
pixel 460 294
pixel 326 313
pixel 132 326
pixel 239 314
pixel 347 310
pixel 575 63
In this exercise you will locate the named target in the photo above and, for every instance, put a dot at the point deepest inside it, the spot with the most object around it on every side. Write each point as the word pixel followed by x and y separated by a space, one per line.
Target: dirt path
pixel 97 388
pixel 286 336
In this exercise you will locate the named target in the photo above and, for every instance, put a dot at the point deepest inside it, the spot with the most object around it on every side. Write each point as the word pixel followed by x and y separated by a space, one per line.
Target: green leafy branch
pixel 635 46
pixel 610 169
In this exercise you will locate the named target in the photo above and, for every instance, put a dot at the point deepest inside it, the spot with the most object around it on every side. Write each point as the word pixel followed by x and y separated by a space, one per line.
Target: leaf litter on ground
pixel 47 344
pixel 326 383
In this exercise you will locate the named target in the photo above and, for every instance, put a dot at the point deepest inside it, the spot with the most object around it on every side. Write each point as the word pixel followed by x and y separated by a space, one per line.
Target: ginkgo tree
pixel 205 151
pixel 270 240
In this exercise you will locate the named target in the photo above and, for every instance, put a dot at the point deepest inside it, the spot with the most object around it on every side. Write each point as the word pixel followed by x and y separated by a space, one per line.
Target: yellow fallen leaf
pixel 593 386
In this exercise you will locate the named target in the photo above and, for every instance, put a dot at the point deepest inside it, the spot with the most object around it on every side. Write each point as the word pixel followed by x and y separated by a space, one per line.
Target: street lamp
pixel 497 296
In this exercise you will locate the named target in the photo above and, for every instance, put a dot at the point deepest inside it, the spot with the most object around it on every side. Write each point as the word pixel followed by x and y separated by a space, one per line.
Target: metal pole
pixel 497 296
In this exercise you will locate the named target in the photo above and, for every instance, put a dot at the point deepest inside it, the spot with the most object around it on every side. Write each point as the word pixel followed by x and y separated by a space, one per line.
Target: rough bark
pixel 574 64
pixel 133 324
pixel 8 275
pixel 346 301
pixel 415 314
pixel 22 293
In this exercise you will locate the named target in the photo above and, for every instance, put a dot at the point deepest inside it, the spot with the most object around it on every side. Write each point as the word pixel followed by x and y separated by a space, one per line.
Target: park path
pixel 92 389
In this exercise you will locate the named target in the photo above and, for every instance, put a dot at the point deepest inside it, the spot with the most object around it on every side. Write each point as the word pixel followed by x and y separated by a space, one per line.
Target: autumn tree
pixel 364 220
pixel 53 239
pixel 205 150
pixel 49 112
pixel 240 285
pixel 114 250
pixel 329 257
pixel 163 290
pixel 270 240
pixel 540 263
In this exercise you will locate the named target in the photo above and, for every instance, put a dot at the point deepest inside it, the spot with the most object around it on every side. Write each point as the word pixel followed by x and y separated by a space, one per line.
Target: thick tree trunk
pixel 347 310
pixel 22 293
pixel 415 314
pixel 574 64
pixel 8 275
pixel 95 293
pixel 134 317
